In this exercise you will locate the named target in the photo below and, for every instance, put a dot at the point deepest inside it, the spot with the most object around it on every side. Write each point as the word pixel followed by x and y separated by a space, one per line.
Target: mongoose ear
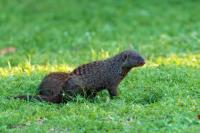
pixel 125 56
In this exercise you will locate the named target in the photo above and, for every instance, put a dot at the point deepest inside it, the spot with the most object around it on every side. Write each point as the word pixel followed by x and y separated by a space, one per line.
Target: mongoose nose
pixel 141 61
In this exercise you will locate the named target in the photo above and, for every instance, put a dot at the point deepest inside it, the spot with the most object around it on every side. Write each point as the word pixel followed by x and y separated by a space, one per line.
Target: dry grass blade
pixel 7 50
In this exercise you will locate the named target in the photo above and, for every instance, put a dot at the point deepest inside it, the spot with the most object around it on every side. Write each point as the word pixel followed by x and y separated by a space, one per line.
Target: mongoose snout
pixel 141 61
pixel 132 59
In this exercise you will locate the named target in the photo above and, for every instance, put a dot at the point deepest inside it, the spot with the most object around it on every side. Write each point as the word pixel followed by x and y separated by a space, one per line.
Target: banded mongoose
pixel 89 79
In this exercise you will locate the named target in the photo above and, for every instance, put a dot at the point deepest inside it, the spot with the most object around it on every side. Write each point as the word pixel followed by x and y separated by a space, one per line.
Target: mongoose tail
pixel 40 98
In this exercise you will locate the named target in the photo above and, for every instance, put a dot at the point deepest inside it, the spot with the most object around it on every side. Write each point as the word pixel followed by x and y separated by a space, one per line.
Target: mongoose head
pixel 132 59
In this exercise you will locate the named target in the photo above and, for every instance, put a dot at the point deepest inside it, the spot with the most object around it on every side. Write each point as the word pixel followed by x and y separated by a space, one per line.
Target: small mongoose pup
pixel 50 89
pixel 88 79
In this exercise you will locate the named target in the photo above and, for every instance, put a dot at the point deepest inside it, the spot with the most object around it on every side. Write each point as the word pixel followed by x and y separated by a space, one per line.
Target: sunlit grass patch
pixel 30 69
pixel 191 60
pixel 99 55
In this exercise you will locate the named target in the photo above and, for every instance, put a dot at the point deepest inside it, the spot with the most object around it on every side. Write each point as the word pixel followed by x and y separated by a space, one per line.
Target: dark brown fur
pixel 53 83
pixel 50 89
pixel 89 79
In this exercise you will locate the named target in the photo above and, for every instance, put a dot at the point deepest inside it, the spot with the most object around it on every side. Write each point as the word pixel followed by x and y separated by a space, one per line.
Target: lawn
pixel 58 35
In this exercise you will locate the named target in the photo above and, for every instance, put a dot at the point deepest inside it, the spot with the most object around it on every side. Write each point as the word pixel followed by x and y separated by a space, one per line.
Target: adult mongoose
pixel 88 79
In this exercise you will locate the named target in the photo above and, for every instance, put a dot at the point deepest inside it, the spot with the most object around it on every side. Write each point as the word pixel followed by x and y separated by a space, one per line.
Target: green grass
pixel 58 35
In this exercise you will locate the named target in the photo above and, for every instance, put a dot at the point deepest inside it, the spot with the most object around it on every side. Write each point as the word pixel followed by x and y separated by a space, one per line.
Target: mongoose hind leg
pixel 91 95
pixel 113 92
